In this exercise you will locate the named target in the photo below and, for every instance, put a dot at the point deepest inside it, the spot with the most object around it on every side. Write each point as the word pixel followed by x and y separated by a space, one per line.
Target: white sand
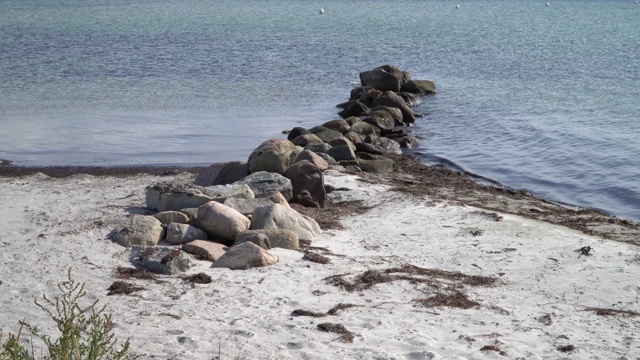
pixel 49 225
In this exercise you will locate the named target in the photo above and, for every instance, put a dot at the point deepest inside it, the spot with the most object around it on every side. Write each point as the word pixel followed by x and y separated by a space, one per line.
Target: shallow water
pixel 535 97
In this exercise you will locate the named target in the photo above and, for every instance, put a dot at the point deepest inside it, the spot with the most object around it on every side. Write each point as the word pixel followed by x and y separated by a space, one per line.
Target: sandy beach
pixel 422 265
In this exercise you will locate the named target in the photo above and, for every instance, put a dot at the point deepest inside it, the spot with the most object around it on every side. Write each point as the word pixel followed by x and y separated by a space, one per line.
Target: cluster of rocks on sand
pixel 233 213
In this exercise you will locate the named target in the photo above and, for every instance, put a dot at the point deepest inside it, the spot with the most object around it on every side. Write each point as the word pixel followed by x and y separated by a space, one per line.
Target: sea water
pixel 533 96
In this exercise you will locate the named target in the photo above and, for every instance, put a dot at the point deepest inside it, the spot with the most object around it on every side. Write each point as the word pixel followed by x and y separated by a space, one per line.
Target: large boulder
pixel 382 120
pixel 168 217
pixel 395 113
pixel 338 125
pixel 262 182
pixel 306 139
pixel 276 197
pixel 205 250
pixel 411 99
pixel 308 184
pixel 354 108
pixel 391 99
pixel 365 94
pixel 138 230
pixel 207 176
pixel 173 195
pixel 220 193
pixel 245 256
pixel 277 238
pixel 178 234
pixel 295 132
pixel 221 221
pixel 318 148
pixel 277 216
pixel 325 134
pixel 364 129
pixel 230 173
pixel 342 152
pixel 384 78
pixel 421 87
pixel 314 158
pixel 160 259
pixel 273 155
pixel 247 206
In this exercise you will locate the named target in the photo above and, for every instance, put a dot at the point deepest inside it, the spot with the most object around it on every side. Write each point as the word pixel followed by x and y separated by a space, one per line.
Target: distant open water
pixel 533 96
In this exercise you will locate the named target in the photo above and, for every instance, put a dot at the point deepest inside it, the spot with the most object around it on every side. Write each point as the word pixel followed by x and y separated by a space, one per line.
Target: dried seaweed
pixel 612 312
pixel 345 335
pixel 199 278
pixel 316 258
pixel 133 273
pixel 455 299
pixel 123 288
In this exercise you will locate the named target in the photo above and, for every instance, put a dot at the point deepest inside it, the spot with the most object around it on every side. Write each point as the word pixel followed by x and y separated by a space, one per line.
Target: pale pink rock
pixel 221 221
pixel 207 250
pixel 245 256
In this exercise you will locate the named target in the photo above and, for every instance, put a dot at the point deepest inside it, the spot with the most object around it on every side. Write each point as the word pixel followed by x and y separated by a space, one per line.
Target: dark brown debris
pixel 566 348
pixel 410 273
pixel 493 348
pixel 123 288
pixel 455 299
pixel 546 319
pixel 301 312
pixel 199 278
pixel 345 335
pixel 612 312
pixel 316 258
pixel 341 306
pixel 133 273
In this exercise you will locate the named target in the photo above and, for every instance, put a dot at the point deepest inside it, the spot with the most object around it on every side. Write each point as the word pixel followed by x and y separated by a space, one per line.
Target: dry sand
pixel 420 274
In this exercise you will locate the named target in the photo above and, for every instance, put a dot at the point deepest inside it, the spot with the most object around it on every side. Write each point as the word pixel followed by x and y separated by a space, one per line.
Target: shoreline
pixel 411 176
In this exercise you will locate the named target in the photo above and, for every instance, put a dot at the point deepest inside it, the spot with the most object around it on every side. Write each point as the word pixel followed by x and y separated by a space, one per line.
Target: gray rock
pixel 421 87
pixel 412 100
pixel 231 172
pixel 331 161
pixel 247 206
pixel 383 79
pixel 273 155
pixel 362 128
pixel 192 213
pixel 205 250
pixel 163 196
pixel 178 234
pixel 314 158
pixel 391 99
pixel 160 260
pixel 207 176
pixel 276 197
pixel 353 137
pixel 297 131
pixel 306 139
pixel 261 182
pixel 308 184
pixel 354 108
pixel 261 240
pixel 343 141
pixel 221 221
pixel 220 193
pixel 365 94
pixel 279 238
pixel 395 113
pixel 245 256
pixel 318 148
pixel 341 153
pixel 167 217
pixel 381 120
pixel 280 217
pixel 338 125
pixel 138 230
pixel 325 134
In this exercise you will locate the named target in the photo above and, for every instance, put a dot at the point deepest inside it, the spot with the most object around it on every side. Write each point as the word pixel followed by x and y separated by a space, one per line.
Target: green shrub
pixel 85 332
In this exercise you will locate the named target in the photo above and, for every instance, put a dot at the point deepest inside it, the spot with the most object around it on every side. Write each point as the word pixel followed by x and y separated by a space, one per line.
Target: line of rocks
pixel 233 213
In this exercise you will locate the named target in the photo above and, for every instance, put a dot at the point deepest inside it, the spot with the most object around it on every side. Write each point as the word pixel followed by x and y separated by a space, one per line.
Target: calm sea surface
pixel 533 96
